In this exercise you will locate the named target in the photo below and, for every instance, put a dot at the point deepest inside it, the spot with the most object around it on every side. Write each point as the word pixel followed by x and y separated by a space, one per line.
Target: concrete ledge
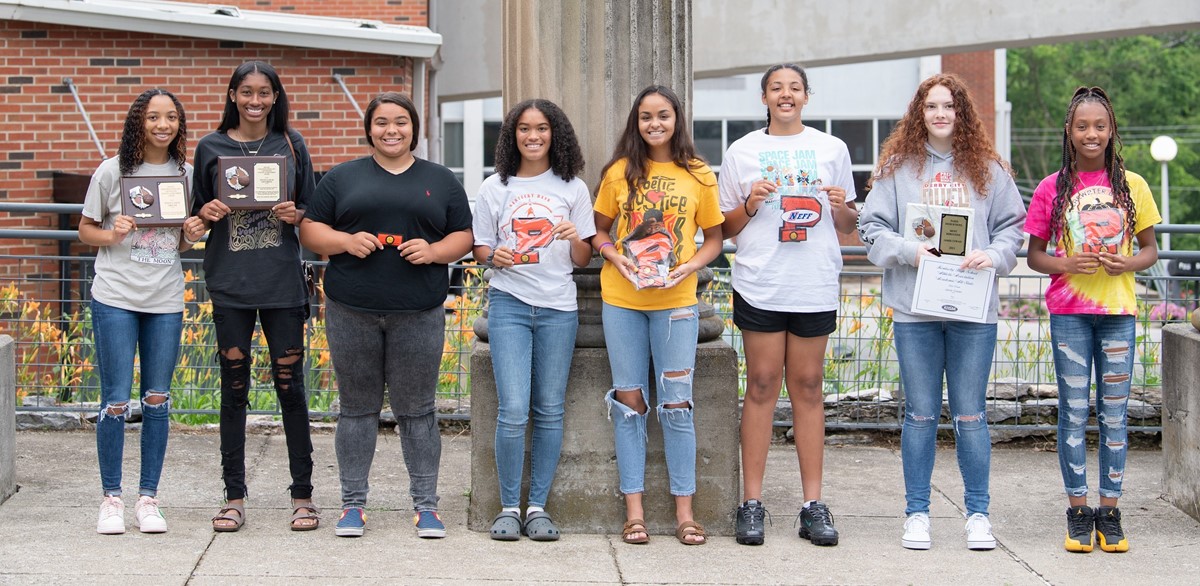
pixel 585 497
pixel 1181 417
pixel 8 418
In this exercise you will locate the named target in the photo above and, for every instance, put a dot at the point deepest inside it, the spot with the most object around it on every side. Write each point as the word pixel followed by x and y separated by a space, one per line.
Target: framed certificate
pixel 946 228
pixel 155 201
pixel 946 291
pixel 252 182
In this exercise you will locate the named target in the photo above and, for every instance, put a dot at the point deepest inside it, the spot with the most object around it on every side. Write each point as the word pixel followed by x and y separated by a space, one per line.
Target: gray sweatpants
pixel 399 352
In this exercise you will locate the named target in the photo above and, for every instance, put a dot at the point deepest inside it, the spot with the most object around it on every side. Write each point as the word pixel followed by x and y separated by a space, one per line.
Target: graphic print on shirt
pixel 253 230
pixel 797 198
pixel 528 227
pixel 1095 221
pixel 154 246
pixel 658 208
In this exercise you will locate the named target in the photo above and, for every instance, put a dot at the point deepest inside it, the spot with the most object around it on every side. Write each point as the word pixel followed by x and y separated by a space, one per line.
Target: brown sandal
pixel 224 515
pixel 633 527
pixel 303 513
pixel 690 529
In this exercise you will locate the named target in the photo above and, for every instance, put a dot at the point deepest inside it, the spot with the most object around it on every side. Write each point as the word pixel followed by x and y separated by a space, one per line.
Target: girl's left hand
pixel 1114 264
pixel 417 251
pixel 836 194
pixel 287 212
pixel 678 274
pixel 565 230
pixel 977 259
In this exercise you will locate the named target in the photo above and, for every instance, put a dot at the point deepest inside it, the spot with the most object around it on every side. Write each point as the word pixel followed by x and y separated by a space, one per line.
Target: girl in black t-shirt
pixel 253 273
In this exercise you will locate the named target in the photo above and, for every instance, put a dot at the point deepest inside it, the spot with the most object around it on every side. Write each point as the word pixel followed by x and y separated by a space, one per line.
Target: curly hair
pixel 132 152
pixel 1068 174
pixel 632 148
pixel 566 158
pixel 970 143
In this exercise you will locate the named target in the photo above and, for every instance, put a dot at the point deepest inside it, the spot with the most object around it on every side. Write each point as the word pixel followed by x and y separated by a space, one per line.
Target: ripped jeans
pixel 963 351
pixel 633 337
pixel 284 330
pixel 119 335
pixel 1083 343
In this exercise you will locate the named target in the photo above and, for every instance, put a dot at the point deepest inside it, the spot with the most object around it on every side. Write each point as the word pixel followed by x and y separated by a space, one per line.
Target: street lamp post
pixel 1164 149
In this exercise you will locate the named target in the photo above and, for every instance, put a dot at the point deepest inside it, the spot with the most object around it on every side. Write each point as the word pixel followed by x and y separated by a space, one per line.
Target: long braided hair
pixel 1068 175
pixel 132 152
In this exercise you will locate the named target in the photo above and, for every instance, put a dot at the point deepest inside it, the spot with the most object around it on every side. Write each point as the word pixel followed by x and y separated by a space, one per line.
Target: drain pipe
pixel 349 96
pixel 86 120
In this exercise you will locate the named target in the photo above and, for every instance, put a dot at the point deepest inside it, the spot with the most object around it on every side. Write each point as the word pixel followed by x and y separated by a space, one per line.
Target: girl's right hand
pixel 361 244
pixel 623 264
pixel 213 211
pixel 502 258
pixel 122 226
pixel 759 191
pixel 1081 263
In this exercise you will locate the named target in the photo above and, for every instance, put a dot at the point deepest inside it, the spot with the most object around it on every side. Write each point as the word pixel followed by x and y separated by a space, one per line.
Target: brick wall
pixel 390 11
pixel 41 130
pixel 978 70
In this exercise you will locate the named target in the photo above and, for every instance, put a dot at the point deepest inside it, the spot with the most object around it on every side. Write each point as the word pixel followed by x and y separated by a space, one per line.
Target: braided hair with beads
pixel 1068 175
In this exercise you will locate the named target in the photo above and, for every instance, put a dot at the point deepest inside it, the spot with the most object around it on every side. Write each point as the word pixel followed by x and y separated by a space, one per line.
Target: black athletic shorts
pixel 805 325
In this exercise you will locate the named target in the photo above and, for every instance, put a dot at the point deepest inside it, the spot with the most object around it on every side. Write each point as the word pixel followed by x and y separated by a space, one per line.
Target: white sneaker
pixel 149 518
pixel 916 532
pixel 112 516
pixel 979 532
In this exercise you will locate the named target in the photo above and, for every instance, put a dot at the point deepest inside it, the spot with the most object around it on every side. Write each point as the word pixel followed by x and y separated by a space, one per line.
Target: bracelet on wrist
pixel 600 249
pixel 746 207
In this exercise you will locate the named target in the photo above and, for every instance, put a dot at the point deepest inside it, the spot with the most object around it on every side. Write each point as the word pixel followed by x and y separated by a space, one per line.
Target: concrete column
pixel 1181 417
pixel 592 57
pixel 8 417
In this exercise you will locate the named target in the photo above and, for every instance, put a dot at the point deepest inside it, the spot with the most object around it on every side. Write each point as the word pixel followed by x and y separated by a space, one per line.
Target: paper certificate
pixel 944 290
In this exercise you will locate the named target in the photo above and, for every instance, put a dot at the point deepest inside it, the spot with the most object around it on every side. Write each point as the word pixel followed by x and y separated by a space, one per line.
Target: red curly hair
pixel 972 146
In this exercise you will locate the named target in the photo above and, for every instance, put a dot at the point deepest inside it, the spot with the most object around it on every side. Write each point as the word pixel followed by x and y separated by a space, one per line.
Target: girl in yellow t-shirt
pixel 657 191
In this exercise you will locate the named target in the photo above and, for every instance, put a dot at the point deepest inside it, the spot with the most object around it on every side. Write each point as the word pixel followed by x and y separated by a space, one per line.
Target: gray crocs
pixel 539 527
pixel 506 526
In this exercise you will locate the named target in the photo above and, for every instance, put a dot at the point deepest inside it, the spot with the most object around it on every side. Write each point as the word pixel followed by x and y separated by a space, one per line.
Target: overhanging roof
pixel 229 23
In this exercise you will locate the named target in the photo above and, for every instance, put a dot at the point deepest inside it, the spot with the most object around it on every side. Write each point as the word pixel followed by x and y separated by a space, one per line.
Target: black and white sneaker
pixel 750 529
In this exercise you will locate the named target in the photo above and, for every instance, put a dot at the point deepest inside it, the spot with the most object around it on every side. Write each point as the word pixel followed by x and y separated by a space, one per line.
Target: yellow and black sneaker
pixel 1080 522
pixel 1108 530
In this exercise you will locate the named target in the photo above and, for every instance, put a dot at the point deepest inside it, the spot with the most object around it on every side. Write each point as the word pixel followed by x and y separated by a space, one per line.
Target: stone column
pixel 1181 417
pixel 592 57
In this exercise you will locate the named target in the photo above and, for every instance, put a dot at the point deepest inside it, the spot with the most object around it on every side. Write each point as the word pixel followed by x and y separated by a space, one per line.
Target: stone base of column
pixel 8 418
pixel 1181 417
pixel 585 497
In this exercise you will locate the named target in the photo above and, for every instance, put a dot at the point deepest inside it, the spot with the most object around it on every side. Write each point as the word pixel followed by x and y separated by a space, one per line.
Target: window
pixel 707 134
pixel 858 136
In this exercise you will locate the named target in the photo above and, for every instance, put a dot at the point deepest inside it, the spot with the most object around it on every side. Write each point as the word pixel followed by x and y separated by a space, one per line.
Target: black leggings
pixel 284 330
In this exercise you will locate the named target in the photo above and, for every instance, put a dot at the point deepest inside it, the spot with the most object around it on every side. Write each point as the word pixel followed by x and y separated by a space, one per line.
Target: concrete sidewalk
pixel 47 530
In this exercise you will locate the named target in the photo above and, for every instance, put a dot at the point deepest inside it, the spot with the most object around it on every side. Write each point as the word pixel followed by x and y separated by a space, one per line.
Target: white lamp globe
pixel 1163 149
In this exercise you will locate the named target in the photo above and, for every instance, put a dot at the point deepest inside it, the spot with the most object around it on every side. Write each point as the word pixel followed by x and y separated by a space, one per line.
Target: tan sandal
pixel 224 515
pixel 690 529
pixel 302 513
pixel 633 527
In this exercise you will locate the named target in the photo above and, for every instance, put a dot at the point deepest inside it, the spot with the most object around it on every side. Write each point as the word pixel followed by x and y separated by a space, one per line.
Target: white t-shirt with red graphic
pixel 788 255
pixel 521 215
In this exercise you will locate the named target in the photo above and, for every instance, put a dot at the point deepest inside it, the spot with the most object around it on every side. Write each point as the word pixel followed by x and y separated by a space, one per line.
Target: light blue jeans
pixel 531 358
pixel 669 337
pixel 962 352
pixel 154 338
pixel 1082 344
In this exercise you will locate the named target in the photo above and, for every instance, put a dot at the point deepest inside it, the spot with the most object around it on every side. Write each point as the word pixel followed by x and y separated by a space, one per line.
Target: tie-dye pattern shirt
pixel 1094 223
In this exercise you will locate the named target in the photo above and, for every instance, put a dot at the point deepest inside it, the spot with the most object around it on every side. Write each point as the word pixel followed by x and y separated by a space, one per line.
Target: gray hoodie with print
pixel 998 231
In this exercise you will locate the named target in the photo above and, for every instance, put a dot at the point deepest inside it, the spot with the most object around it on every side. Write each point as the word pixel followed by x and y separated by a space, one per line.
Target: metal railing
pixel 42 306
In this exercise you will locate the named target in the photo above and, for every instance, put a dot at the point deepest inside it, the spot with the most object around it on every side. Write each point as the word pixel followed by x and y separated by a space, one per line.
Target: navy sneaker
pixel 429 525
pixel 1081 522
pixel 750 528
pixel 816 524
pixel 351 523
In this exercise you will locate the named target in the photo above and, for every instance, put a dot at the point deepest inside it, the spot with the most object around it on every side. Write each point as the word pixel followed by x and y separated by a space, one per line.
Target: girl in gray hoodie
pixel 940 155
